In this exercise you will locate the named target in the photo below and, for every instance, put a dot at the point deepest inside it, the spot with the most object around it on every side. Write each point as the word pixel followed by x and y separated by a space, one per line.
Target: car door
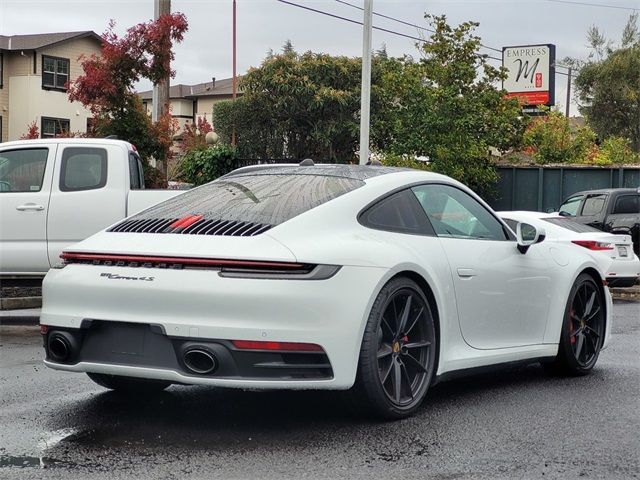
pixel 502 295
pixel 593 210
pixel 25 185
pixel 87 195
pixel 625 216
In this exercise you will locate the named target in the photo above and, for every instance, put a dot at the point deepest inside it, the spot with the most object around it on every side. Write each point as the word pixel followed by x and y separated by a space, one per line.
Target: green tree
pixel 295 106
pixel 446 106
pixel 608 84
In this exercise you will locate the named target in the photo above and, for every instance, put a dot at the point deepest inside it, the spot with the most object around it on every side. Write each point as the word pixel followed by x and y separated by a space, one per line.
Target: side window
pixel 593 205
pixel 513 224
pixel 454 213
pixel 22 170
pixel 83 169
pixel 627 204
pixel 397 213
pixel 570 207
pixel 134 172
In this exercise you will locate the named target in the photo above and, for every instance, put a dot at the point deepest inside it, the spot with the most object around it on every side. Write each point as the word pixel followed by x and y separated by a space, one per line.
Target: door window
pixel 454 213
pixel 627 204
pixel 83 169
pixel 570 207
pixel 593 205
pixel 22 170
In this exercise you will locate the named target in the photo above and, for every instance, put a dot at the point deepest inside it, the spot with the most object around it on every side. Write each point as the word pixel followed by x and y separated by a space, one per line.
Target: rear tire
pixel 128 384
pixel 397 357
pixel 583 329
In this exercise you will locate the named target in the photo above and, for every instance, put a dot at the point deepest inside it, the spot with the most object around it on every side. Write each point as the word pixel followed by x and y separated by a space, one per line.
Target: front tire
pixel 397 357
pixel 128 384
pixel 583 330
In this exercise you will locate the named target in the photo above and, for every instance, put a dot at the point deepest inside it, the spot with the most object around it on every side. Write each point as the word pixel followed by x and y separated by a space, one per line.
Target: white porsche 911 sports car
pixel 369 278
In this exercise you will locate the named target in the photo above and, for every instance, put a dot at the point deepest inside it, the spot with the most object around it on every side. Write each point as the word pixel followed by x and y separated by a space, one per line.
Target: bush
pixel 552 140
pixel 404 161
pixel 204 165
pixel 616 150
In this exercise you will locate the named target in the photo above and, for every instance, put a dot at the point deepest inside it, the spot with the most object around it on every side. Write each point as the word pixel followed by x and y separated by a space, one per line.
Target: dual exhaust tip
pixel 62 346
pixel 199 360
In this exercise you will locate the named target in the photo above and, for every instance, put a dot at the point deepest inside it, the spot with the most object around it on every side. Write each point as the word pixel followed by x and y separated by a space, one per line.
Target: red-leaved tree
pixel 106 87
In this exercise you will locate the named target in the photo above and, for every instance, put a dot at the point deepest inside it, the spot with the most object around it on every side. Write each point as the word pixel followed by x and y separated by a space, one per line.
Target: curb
pixel 18 303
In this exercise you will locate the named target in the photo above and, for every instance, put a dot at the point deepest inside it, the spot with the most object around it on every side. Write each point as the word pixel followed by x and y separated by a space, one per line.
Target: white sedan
pixel 374 279
pixel 619 265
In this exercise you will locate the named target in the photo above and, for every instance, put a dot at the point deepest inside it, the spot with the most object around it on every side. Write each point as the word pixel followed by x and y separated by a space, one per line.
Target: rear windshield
pixel 570 225
pixel 260 198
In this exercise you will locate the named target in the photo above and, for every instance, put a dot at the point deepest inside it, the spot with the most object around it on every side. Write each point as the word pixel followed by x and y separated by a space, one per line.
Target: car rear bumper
pixel 200 307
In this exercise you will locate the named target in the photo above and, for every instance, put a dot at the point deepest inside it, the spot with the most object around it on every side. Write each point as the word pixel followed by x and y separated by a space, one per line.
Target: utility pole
pixel 161 90
pixel 568 106
pixel 234 80
pixel 365 98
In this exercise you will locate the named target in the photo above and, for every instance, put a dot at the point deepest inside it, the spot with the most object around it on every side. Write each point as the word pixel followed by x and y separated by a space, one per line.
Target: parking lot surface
pixel 514 423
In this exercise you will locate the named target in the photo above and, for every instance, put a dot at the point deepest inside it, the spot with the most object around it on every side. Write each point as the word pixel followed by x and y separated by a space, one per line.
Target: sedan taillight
pixel 593 245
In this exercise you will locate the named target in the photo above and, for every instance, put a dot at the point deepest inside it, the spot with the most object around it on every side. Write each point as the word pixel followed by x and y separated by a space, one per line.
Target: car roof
pixel 355 172
pixel 606 190
pixel 73 140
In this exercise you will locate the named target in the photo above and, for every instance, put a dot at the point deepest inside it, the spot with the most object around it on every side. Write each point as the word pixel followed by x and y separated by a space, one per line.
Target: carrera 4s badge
pixel 115 276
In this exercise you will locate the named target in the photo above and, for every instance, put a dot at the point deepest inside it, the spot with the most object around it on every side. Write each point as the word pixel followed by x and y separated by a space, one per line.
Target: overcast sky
pixel 267 24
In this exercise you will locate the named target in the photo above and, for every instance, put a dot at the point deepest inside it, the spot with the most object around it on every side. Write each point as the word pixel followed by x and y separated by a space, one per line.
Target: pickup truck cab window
pixel 136 175
pixel 627 204
pixel 83 169
pixel 454 213
pixel 593 205
pixel 22 170
pixel 570 207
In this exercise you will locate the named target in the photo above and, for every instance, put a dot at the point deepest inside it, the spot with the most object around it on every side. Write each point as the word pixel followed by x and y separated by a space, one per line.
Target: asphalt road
pixel 517 423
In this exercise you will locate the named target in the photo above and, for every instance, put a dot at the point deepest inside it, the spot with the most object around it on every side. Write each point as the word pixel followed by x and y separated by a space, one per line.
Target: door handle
pixel 466 272
pixel 29 206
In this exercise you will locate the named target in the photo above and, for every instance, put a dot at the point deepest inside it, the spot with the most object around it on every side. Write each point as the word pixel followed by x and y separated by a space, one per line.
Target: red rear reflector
pixel 44 329
pixel 71 257
pixel 593 245
pixel 277 346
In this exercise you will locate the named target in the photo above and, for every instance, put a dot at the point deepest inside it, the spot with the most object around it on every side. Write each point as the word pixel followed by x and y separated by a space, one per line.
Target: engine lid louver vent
pixel 202 226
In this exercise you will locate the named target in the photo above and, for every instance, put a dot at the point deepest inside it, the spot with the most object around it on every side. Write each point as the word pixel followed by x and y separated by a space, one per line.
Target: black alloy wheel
pixel 583 329
pixel 397 358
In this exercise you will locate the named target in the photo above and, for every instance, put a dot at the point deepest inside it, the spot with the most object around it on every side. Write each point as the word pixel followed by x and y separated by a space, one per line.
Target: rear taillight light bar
pixel 593 244
pixel 152 261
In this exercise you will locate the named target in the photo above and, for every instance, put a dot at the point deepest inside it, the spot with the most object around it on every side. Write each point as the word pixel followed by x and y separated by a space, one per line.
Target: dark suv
pixel 615 210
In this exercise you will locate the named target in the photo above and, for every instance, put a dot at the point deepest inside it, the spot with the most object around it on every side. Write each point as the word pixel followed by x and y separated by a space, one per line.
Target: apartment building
pixel 34 71
pixel 190 102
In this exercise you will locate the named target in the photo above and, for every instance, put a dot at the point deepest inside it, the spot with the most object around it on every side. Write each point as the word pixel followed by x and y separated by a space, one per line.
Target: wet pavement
pixel 517 423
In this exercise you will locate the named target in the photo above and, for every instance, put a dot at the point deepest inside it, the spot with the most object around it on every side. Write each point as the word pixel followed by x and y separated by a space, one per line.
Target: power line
pixel 587 4
pixel 426 29
pixel 350 20
pixel 408 23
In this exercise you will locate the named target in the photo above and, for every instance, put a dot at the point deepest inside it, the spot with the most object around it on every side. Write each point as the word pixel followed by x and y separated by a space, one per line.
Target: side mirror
pixel 528 235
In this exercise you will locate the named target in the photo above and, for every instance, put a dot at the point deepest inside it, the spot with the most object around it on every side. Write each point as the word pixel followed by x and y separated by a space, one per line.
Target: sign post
pixel 530 75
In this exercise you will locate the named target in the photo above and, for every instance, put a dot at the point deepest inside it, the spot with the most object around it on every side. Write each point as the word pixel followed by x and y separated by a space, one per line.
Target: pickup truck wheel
pixel 583 330
pixel 128 384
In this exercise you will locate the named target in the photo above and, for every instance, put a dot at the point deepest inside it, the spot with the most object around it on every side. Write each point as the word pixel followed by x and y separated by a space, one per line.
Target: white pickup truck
pixel 55 192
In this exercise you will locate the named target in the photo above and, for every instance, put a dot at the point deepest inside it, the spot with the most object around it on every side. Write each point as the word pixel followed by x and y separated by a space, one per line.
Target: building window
pixel 55 73
pixel 1 69
pixel 54 127
pixel 0 128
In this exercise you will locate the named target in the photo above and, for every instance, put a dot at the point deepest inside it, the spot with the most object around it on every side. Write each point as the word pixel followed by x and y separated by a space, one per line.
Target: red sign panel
pixel 530 98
